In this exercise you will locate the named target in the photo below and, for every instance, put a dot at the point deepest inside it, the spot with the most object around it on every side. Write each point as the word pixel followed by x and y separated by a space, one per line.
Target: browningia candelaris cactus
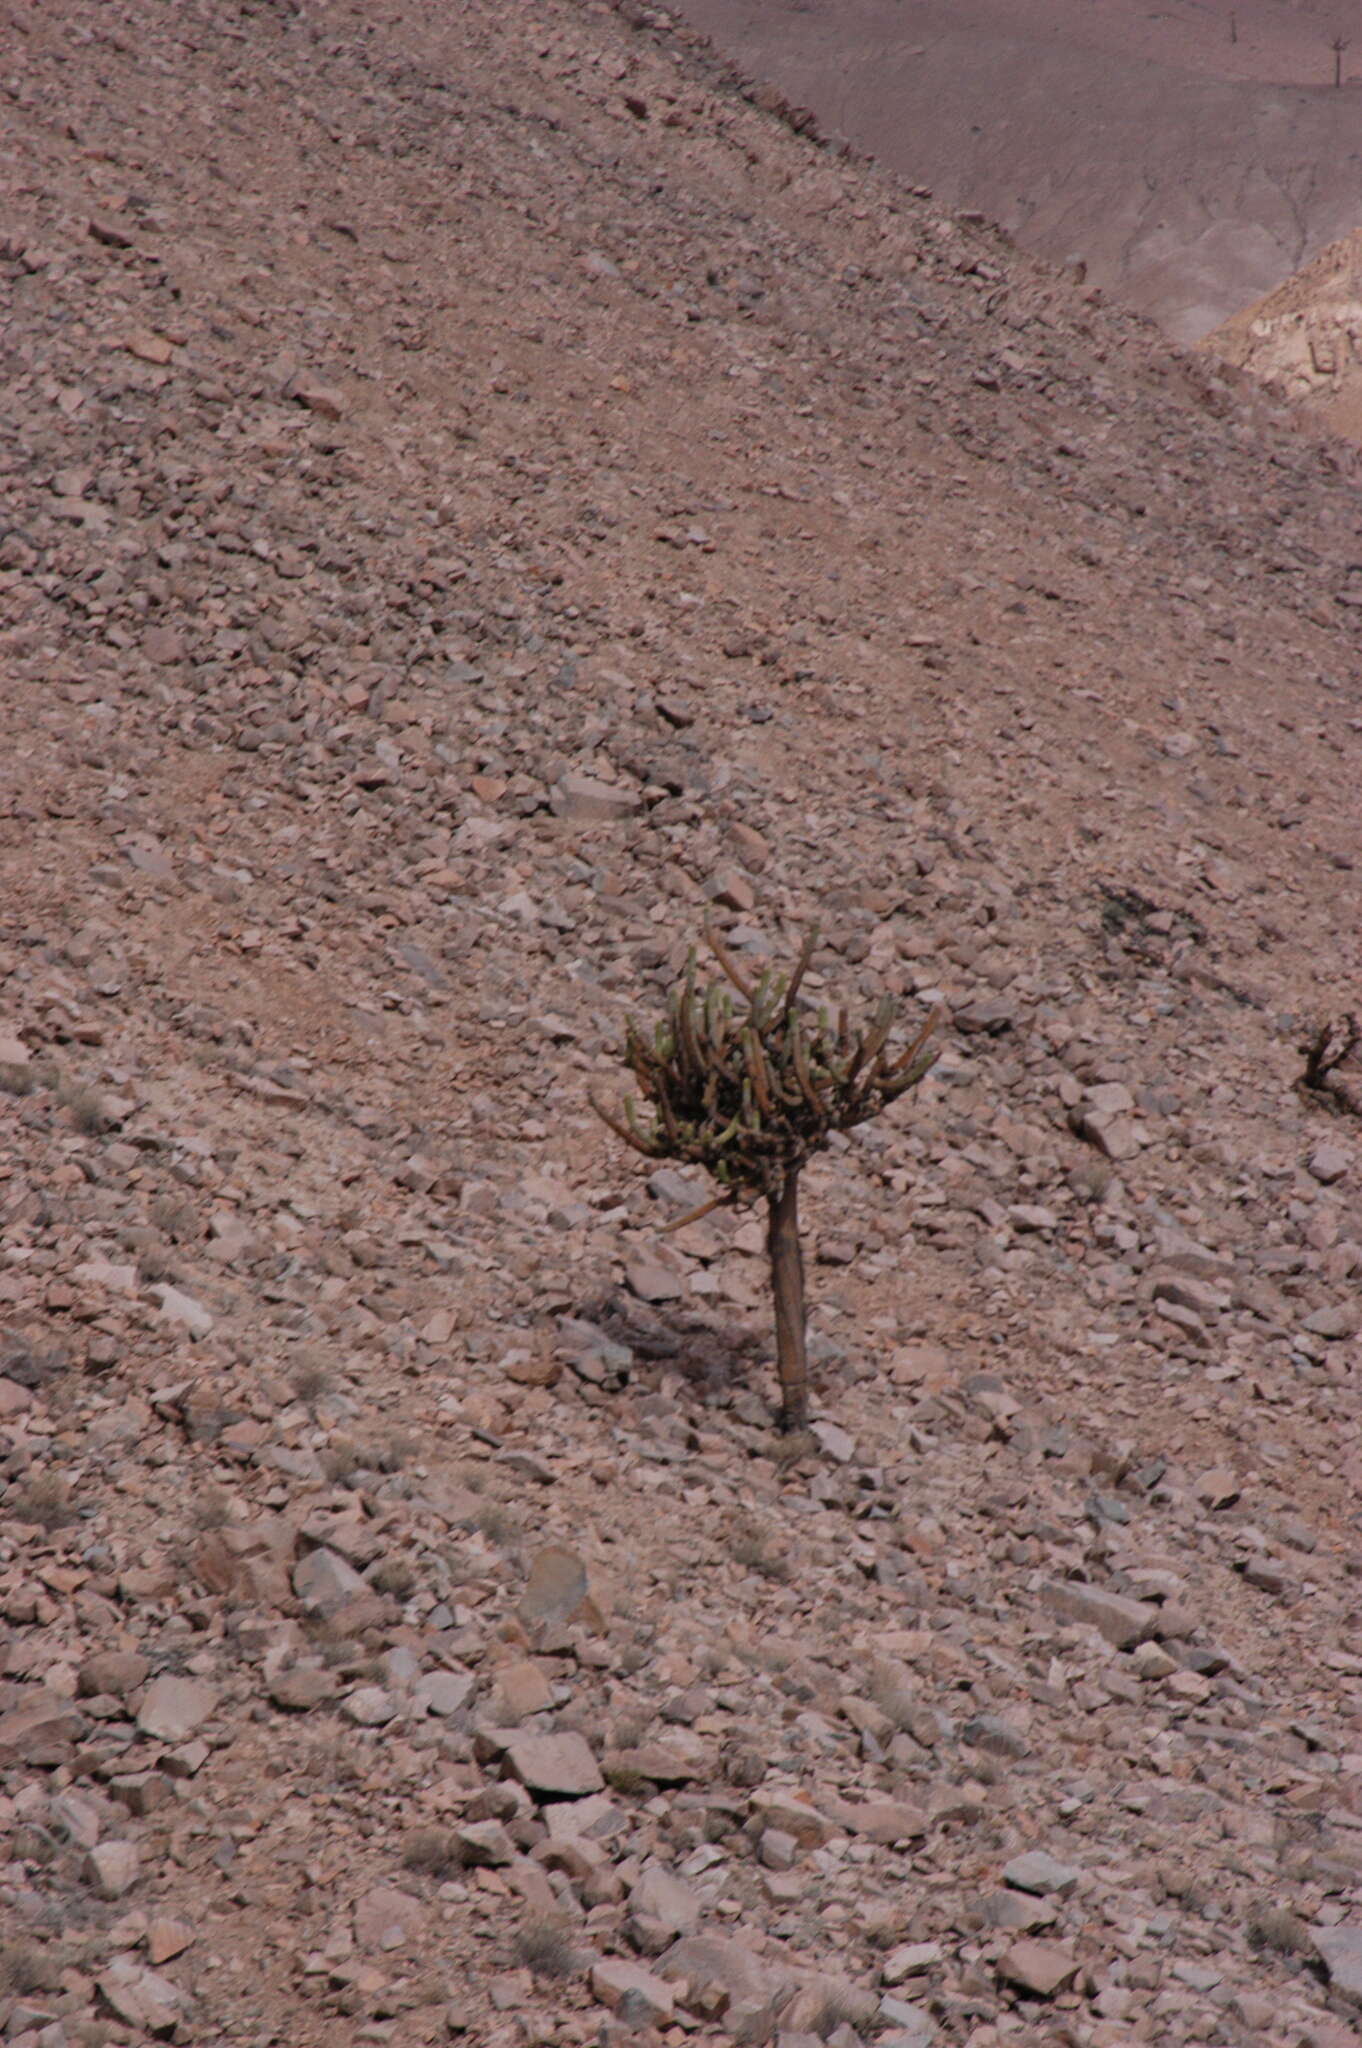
pixel 749 1089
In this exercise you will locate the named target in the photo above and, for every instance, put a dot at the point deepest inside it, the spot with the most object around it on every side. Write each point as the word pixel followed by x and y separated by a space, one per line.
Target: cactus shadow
pixel 710 1355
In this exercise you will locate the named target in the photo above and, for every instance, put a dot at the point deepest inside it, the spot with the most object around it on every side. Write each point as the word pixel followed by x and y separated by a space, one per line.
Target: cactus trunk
pixel 787 1283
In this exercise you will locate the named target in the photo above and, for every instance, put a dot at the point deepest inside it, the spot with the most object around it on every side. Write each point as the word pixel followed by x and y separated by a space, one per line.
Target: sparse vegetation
pixel 545 1947
pixel 29 1966
pixel 1336 1046
pixel 1277 1929
pixel 85 1107
pixel 495 1521
pixel 751 1093
pixel 45 1501
pixel 433 1851
pixel 394 1576
pixel 310 1380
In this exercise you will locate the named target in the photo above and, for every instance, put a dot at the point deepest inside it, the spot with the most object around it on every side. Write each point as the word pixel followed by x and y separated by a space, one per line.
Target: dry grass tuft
pixel 545 1947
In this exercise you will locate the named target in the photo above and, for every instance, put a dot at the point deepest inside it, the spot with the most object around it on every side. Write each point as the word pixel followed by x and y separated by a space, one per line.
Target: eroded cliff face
pixel 1306 339
pixel 481 499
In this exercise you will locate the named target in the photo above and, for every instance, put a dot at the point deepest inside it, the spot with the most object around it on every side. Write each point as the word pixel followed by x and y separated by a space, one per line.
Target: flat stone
pixel 301 1687
pixel 557 1766
pixel 172 1708
pixel 911 2026
pixel 369 1706
pixel 652 1282
pixel 444 1692
pixel 181 1308
pixel 1327 1163
pixel 41 1731
pixel 485 1844
pixel 558 1594
pixel 1040 1967
pixel 582 800
pixel 113 1868
pixel 520 1689
pixel 114 1673
pixel 1039 1872
pixel 910 1961
pixel 324 1582
pixel 621 1985
pixel 387 1919
pixel 167 1939
pixel 1123 1622
pixel 140 1998
pixel 717 1972
pixel 1340 1951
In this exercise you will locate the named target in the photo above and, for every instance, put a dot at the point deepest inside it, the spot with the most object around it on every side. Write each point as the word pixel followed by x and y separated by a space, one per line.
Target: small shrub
pixel 310 1381
pixel 627 1781
pixel 29 1966
pixel 432 1851
pixel 495 1521
pixel 45 1500
pixel 394 1576
pixel 1279 1930
pixel 545 1947
pixel 85 1107
pixel 210 1509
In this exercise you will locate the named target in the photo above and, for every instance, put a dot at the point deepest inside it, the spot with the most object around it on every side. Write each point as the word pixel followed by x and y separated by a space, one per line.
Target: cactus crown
pixel 749 1088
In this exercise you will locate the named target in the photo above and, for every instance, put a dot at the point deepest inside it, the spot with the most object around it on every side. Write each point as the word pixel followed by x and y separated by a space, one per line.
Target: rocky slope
pixel 481 496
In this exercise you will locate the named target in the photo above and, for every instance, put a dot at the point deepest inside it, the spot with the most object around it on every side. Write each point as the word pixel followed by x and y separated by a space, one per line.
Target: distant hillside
pixel 1191 173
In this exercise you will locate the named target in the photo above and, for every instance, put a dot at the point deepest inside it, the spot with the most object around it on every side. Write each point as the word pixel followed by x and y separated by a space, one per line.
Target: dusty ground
pixel 1191 156
pixel 481 496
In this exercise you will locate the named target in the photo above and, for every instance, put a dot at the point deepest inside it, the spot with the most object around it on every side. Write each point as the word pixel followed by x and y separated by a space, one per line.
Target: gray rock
pixel 713 1968
pixel 113 1868
pixel 173 1708
pixel 912 2026
pixel 1038 1872
pixel 1123 1622
pixel 485 1844
pixel 1340 1951
pixel 1327 1163
pixel 557 1766
pixel 558 1593
pixel 661 1907
pixel 1040 1967
pixel 369 1706
pixel 301 1687
pixel 582 800
pixel 444 1692
pixel 650 2002
pixel 323 1581
pixel 141 1999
